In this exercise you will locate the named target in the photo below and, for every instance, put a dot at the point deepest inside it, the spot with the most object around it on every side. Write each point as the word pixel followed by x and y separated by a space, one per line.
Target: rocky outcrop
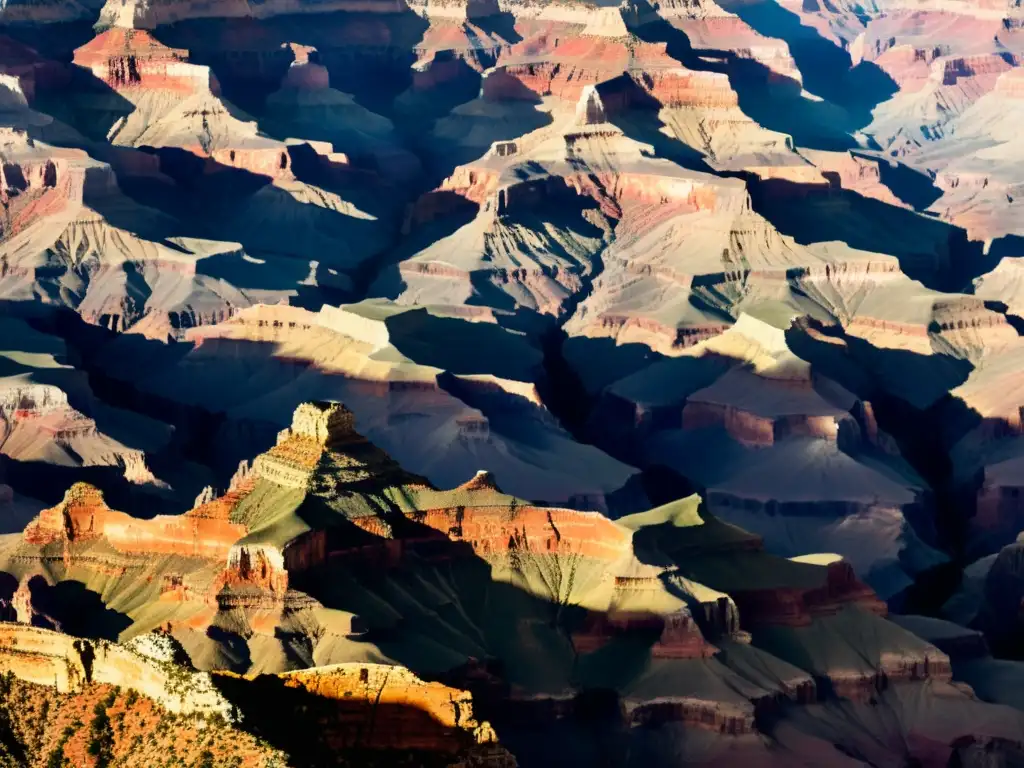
pixel 83 515
pixel 130 59
pixel 261 567
pixel 505 530
pixel 798 607
pixel 316 428
pixel 628 75
pixel 413 714
pixel 712 30
pixel 175 104
pixel 36 184
pixel 147 665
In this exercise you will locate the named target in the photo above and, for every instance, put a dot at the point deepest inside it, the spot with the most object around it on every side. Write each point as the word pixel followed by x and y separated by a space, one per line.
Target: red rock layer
pixel 256 566
pixel 989 66
pixel 84 515
pixel 130 58
pixel 563 67
pixel 894 668
pixel 498 531
pixel 312 550
pixel 848 171
pixel 730 33
pixel 221 507
pixel 957 316
pixel 679 637
pixel 761 431
pixel 273 161
pixel 796 607
pixel 611 191
pixel 685 88
pixel 36 186
pixel 65 424
pixel 696 713
pixel 615 325
pixel 1011 85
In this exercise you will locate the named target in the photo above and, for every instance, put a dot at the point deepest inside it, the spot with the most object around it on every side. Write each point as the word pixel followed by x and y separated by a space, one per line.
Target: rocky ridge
pixel 762 251
pixel 605 583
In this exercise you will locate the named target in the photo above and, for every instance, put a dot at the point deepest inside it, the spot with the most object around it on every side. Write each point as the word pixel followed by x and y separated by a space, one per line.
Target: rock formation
pixel 50 658
pixel 685 333
pixel 325 507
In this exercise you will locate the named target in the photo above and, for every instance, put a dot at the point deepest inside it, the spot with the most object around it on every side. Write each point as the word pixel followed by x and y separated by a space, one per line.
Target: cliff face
pixel 37 185
pixel 127 59
pixel 83 515
pixel 414 714
pixel 531 529
pixel 377 709
pixel 295 567
pixel 51 658
pixel 173 104
pixel 550 64
pixel 794 607
pixel 254 566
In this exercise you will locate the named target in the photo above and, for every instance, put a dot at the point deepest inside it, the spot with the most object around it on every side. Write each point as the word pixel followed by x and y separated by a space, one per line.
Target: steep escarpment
pixel 678 346
pixel 369 712
pixel 53 425
pixel 714 630
pixel 387 363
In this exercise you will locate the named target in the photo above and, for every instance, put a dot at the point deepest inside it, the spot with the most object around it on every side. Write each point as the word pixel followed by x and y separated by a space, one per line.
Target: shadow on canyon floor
pixel 827 70
pixel 466 628
pixel 769 98
pixel 209 393
pixel 909 395
pixel 366 54
pixel 925 425
pixel 54 40
pixel 642 123
pixel 183 195
pixel 510 636
pixel 914 188
pixel 72 608
pixel 340 731
pixel 470 348
pixel 937 254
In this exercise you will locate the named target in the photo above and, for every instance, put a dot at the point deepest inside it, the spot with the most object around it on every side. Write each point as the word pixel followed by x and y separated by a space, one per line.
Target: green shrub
pixel 101 736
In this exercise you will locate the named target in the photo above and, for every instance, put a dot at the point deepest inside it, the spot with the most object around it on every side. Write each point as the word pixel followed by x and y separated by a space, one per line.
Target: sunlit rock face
pixel 680 594
pixel 83 515
pixel 626 367
pixel 129 58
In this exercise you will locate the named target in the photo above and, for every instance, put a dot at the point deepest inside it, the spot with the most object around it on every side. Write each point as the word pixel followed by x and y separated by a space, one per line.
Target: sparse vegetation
pixel 101 737
pixel 106 727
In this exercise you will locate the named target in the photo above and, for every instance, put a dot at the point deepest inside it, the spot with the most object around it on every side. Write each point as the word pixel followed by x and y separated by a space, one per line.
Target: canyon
pixel 295 581
pixel 495 383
